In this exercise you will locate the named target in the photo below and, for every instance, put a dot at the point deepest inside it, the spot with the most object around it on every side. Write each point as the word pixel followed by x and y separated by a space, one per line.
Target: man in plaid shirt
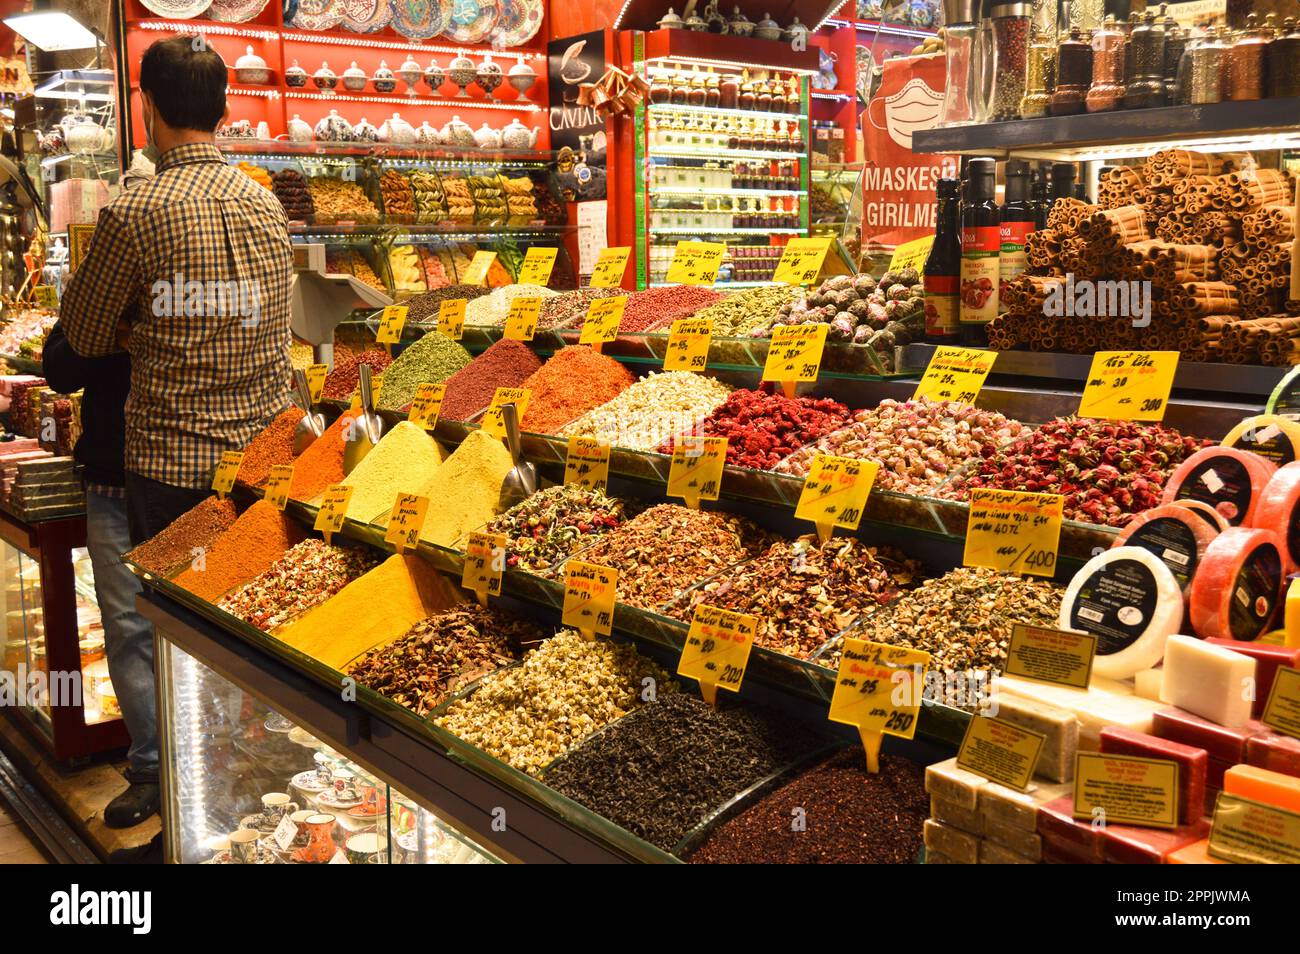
pixel 191 274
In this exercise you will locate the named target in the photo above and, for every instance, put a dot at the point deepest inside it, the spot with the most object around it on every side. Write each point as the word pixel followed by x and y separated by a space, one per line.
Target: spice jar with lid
pixel 1284 61
pixel 1146 46
pixel 1107 67
pixel 746 90
pixel 763 97
pixel 660 90
pixel 793 99
pixel 961 86
pixel 696 95
pixel 729 91
pixel 1075 69
pixel 1246 62
pixel 1175 43
pixel 1041 76
pixel 680 90
pixel 1010 58
pixel 712 91
pixel 1204 61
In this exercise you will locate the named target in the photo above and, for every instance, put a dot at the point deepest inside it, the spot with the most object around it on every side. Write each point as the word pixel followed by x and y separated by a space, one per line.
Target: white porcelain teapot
pixel 82 134
pixel 458 134
pixel 485 137
pixel 397 131
pixel 518 136
pixel 299 129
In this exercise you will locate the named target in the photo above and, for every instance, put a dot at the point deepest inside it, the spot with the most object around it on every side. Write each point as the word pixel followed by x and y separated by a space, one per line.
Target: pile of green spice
pixel 742 312
pixel 443 653
pixel 432 358
pixel 847 815
pixel 555 523
pixel 307 575
pixel 660 771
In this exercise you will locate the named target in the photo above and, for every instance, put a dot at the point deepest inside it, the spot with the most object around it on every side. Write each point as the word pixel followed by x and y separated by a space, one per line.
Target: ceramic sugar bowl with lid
pixel 354 78
pixel 251 69
pixel 384 80
pixel 295 76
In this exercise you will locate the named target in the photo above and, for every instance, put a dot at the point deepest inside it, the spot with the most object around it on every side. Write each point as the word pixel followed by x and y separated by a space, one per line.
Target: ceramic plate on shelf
pixel 366 16
pixel 177 9
pixel 472 21
pixel 308 781
pixel 318 14
pixel 519 22
pixel 421 19
pixel 235 11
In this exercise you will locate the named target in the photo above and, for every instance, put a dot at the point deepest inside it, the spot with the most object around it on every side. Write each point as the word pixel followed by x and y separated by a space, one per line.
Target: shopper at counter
pixel 199 260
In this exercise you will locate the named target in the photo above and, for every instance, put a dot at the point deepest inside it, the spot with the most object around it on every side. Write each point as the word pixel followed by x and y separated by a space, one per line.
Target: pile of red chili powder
pixel 273 446
pixel 507 364
pixel 569 385
pixel 342 381
pixel 658 308
pixel 763 428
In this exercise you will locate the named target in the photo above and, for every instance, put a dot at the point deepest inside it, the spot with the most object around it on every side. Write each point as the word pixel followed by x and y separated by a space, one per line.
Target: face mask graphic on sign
pixel 915 106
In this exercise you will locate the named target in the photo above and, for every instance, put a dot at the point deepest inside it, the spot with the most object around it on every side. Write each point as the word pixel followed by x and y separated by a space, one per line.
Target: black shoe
pixel 133 806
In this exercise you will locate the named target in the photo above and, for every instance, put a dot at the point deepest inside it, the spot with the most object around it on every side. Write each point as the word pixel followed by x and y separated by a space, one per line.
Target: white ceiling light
pixel 52 31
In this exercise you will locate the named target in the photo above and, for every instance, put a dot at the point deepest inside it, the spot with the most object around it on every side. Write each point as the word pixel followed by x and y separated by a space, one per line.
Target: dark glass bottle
pixel 1015 223
pixel 1038 190
pixel 943 266
pixel 1062 183
pixel 981 245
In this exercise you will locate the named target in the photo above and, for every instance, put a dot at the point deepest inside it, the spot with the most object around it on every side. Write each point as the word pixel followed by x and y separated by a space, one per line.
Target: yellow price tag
pixel 277 485
pixel 333 508
pixel 316 375
pixel 801 260
pixel 477 271
pixel 391 322
pixel 589 594
pixel 1247 832
pixel 1050 655
pixel 835 492
pixel 913 254
pixel 1282 710
pixel 521 320
pixel 688 345
pixel 451 318
pixel 485 562
pixel 604 315
pixel 1129 385
pixel 717 650
pixel 1013 531
pixel 587 463
pixel 879 689
pixel 223 480
pixel 695 472
pixel 405 521
pixel 696 263
pixel 494 422
pixel 610 267
pixel 537 266
pixel 46 296
pixel 1000 751
pixel 427 404
pixel 1126 790
pixel 795 353
pixel 955 374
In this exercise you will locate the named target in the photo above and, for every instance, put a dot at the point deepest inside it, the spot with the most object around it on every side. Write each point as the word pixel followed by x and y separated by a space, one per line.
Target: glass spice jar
pixel 793 99
pixel 1107 67
pixel 1284 61
pixel 763 97
pixel 1205 68
pixel 1146 87
pixel 1010 58
pixel 1246 62
pixel 1041 76
pixel 1075 68
pixel 961 81
pixel 660 90
pixel 696 96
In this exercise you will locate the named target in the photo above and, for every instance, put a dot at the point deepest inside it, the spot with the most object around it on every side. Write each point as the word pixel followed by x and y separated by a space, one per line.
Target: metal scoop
pixel 367 428
pixel 312 424
pixel 521 482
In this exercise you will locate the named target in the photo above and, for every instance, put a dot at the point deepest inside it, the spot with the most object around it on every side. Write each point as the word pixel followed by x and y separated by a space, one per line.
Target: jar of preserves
pixel 729 91
pixel 1075 68
pixel 1146 45
pixel 660 90
pixel 1247 62
pixel 695 94
pixel 1107 67
pixel 763 97
pixel 680 89
pixel 793 99
pixel 1284 61
pixel 746 91
pixel 712 91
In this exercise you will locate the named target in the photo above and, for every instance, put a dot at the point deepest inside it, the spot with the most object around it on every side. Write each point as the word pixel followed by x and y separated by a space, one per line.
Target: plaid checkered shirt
pixel 200 263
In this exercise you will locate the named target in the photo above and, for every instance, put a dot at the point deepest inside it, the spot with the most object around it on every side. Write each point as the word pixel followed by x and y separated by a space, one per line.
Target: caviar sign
pixel 1129 385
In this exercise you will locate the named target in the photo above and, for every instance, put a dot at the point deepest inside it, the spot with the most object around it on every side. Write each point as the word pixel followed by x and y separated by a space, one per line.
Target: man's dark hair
pixel 187 80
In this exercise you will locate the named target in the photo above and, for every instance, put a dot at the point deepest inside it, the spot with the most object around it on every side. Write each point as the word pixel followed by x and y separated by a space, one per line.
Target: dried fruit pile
pixel 861 310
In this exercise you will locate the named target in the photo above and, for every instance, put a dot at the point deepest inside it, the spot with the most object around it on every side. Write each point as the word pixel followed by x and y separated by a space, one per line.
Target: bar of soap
pixel 954 815
pixel 1005 806
pixel 1261 785
pixel 1215 770
pixel 962 847
pixel 1197 853
pixel 952 784
pixel 1130 845
pixel 1277 753
pixel 1292 616
pixel 1208 680
pixel 1175 535
pixel 1105 703
pixel 1022 842
pixel 1229 480
pixel 1060 853
pixel 1057 826
pixel 991 853
pixel 1219 741
pixel 1268 659
pixel 1060 726
pixel 1279 510
pixel 1237 588
pixel 1146 684
pixel 1192 763
pixel 939 858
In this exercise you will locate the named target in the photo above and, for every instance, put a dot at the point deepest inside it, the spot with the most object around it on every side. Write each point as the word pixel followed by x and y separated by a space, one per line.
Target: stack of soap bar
pixel 1146 684
pixel 950 813
pixel 1261 785
pixel 962 847
pixel 1130 845
pixel 1228 744
pixel 1105 703
pixel 1192 763
pixel 1208 680
pixel 1197 853
pixel 1060 727
pixel 1027 844
pixel 1268 659
pixel 991 853
pixel 944 780
pixel 1004 806
pixel 1277 753
pixel 1066 840
pixel 1237 588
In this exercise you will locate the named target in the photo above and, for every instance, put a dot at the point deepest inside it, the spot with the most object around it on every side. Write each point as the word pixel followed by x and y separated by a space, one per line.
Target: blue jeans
pixel 128 636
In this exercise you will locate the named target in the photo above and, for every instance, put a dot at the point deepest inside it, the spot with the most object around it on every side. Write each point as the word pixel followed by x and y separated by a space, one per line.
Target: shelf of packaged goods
pixel 883 28
pixel 1254 124
pixel 399 99
pixel 723 155
pixel 691 193
pixel 664 109
pixel 285 150
pixel 415 232
pixel 722 231
pixel 831 94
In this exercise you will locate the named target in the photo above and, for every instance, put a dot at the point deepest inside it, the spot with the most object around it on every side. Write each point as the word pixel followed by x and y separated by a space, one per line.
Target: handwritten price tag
pixel 427 404
pixel 1129 385
pixel 477 271
pixel 795 353
pixel 835 492
pixel 955 374
pixel 494 421
pixel 451 318
pixel 604 315
pixel 801 260
pixel 717 650
pixel 587 463
pixel 610 267
pixel 223 480
pixel 277 485
pixel 913 253
pixel 485 561
pixel 1014 531
pixel 316 375
pixel 688 345
pixel 879 689
pixel 333 508
pixel 537 266
pixel 695 473
pixel 391 322
pixel 405 521
pixel 696 263
pixel 521 320
pixel 589 593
